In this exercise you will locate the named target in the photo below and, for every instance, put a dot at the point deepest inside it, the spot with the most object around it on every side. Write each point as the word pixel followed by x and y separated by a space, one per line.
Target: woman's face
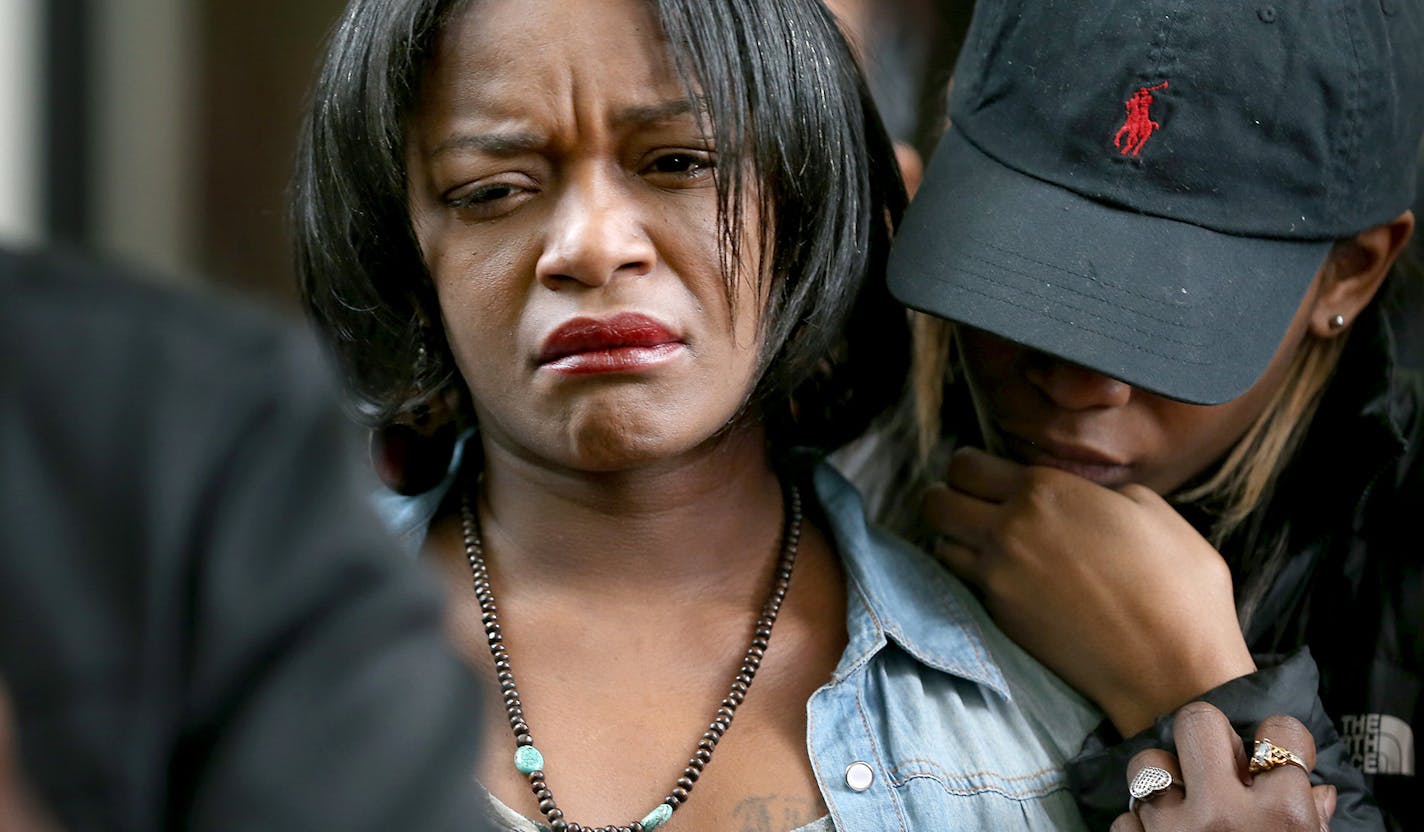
pixel 1039 410
pixel 561 189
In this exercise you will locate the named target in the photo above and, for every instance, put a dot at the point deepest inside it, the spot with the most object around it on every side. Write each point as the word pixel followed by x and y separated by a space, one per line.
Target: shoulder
pixel 938 635
pixel 131 374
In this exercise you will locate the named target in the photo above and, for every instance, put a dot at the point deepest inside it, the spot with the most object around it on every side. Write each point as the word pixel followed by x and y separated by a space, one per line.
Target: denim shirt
pixel 959 728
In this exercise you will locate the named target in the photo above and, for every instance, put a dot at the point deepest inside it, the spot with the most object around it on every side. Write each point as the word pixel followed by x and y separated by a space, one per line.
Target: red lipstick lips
pixel 626 342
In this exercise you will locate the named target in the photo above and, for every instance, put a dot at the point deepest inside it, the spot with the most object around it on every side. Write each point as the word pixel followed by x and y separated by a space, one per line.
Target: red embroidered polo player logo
pixel 1139 126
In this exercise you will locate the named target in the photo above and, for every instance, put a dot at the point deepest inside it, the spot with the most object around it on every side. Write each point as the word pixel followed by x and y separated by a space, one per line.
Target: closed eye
pixel 490 199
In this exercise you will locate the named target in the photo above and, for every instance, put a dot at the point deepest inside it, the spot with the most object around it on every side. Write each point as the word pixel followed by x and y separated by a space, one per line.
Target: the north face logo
pixel 1379 743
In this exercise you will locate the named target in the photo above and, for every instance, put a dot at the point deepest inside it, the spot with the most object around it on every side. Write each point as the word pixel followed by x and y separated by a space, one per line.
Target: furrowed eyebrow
pixel 496 144
pixel 513 144
pixel 645 114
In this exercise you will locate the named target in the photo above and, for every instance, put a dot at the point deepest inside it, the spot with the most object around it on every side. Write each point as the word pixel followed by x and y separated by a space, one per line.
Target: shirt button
pixel 859 776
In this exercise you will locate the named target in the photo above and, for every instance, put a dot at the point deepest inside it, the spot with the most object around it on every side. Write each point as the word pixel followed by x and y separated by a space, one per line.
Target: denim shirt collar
pixel 909 599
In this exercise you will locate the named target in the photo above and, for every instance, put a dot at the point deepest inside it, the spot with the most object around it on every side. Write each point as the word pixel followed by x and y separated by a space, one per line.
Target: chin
pixel 628 439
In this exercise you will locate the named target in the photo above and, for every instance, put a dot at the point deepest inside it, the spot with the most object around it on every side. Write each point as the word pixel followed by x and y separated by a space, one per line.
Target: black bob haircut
pixel 794 127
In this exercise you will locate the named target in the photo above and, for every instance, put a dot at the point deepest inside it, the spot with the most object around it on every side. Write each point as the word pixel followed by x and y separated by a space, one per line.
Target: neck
pixel 710 518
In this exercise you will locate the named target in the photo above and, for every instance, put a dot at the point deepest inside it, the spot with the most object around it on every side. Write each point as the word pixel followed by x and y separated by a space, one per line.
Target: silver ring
pixel 1147 783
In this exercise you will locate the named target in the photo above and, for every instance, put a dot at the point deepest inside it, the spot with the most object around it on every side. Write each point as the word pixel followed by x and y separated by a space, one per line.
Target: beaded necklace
pixel 527 758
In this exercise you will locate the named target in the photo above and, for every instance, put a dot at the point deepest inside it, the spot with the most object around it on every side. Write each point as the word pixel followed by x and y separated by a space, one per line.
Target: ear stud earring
pixel 1337 322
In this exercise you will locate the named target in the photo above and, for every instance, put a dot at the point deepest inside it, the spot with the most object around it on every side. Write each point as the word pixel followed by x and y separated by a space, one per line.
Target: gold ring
pixel 1268 755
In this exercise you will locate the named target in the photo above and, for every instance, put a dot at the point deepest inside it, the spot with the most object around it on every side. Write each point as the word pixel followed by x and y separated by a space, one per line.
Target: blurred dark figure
pixel 201 627
pixel 908 49
pixel 1405 301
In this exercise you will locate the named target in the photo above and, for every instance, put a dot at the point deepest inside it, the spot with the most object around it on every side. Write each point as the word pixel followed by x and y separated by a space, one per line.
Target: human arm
pixel 1120 596
pixel 1214 788
pixel 1112 590
pixel 1098 775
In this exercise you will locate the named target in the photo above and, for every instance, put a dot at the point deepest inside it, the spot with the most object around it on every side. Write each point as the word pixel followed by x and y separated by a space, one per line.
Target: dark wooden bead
pixel 702 756
pixel 559 826
pixel 523 739
pixel 636 826
pixel 547 805
pixel 691 773
pixel 681 794
pixel 684 783
pixel 543 795
pixel 536 775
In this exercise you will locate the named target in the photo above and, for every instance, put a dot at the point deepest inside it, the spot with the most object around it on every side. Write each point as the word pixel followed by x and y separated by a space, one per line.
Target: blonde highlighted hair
pixel 1245 476
pixel 1241 484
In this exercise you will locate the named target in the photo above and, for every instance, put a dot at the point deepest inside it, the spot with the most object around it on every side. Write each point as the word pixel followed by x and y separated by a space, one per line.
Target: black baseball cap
pixel 1148 188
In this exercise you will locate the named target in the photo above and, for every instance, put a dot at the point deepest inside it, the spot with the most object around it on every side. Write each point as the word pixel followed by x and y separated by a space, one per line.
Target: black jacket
pixel 202 626
pixel 1350 596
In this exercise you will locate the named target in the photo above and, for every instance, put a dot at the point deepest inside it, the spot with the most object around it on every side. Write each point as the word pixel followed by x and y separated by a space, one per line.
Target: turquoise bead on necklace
pixel 528 759
pixel 530 762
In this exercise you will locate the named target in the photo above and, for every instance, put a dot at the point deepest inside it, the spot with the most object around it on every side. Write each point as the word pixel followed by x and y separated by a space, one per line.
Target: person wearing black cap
pixel 1159 230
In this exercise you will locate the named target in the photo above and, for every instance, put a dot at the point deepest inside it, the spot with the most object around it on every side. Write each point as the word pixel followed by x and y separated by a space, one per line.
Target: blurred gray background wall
pixel 158 131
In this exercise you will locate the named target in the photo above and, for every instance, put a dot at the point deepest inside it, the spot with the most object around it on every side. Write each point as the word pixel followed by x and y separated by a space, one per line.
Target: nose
pixel 1074 387
pixel 597 233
